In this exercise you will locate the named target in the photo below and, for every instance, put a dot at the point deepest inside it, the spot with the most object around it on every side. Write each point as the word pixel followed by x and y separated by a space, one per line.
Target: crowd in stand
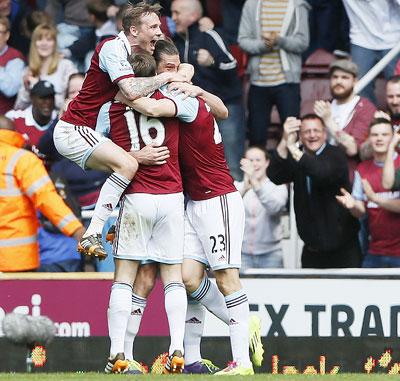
pixel 342 158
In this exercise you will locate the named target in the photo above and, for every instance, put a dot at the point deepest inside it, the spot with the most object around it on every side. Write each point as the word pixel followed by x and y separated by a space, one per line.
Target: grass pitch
pixel 257 377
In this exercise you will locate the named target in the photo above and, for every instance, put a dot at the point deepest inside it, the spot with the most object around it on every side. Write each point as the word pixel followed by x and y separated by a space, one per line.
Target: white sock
pixel 137 310
pixel 194 325
pixel 238 309
pixel 211 297
pixel 175 307
pixel 109 196
pixel 118 313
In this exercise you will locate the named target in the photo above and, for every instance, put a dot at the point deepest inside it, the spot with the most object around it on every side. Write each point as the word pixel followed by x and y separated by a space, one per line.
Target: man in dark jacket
pixel 215 71
pixel 318 171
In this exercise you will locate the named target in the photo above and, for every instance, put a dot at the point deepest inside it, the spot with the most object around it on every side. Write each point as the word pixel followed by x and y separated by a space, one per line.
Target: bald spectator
pixel 215 71
pixel 348 116
pixel 12 64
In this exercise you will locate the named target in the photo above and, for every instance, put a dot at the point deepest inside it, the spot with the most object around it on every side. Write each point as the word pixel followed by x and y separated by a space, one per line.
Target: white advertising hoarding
pixel 320 307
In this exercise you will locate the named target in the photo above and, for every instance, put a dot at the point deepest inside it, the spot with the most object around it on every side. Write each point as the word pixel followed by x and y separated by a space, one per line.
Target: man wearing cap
pixel 34 121
pixel 348 116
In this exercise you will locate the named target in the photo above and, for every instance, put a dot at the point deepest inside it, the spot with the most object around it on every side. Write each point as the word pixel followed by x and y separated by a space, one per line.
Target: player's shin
pixel 118 315
pixel 175 307
pixel 210 297
pixel 193 331
pixel 109 196
pixel 238 309
pixel 137 309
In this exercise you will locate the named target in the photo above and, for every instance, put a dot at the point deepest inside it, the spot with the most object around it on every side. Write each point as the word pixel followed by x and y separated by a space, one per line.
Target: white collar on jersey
pixel 124 39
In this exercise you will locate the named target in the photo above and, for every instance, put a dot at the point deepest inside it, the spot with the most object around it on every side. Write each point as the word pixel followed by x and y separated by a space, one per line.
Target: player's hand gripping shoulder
pixel 218 108
pixel 150 155
pixel 187 89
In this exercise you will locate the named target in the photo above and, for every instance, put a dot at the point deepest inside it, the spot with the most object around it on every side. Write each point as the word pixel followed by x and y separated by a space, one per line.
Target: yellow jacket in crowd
pixel 25 187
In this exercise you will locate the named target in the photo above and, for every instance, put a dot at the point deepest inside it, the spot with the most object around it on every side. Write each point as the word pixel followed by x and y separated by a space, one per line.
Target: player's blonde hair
pixel 35 60
pixel 132 14
pixel 143 64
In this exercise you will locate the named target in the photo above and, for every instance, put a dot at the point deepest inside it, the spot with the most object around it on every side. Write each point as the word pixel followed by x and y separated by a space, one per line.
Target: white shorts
pixel 150 227
pixel 76 143
pixel 214 231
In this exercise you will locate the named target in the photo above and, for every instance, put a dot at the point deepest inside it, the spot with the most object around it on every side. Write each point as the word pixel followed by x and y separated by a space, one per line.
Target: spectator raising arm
pixel 390 178
pixel 391 205
pixel 342 138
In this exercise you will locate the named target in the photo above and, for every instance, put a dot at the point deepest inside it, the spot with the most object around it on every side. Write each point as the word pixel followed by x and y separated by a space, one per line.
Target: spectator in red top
pixel 34 121
pixel 348 116
pixel 381 206
pixel 11 68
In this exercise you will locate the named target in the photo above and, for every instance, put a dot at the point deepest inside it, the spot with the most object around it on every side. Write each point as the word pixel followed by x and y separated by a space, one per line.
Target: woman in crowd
pixel 264 203
pixel 45 63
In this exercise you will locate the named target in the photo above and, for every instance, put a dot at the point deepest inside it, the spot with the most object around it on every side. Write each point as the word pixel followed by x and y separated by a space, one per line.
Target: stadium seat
pixel 318 63
pixel 315 80
pixel 380 92
pixel 311 90
pixel 213 8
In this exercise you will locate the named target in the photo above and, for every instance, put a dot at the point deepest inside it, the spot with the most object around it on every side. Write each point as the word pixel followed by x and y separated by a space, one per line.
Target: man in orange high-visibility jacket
pixel 24 188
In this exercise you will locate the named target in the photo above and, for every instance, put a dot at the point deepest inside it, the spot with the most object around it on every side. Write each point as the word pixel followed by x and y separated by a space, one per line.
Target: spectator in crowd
pixel 391 175
pixel 381 206
pixel 45 63
pixel 318 172
pixel 231 12
pixel 215 71
pixel 104 26
pixel 28 24
pixel 75 31
pixel 12 64
pixel 274 35
pixel 57 251
pixel 393 100
pixel 348 116
pixel 15 11
pixel 263 202
pixel 74 85
pixel 330 27
pixel 24 188
pixel 374 30
pixel 34 121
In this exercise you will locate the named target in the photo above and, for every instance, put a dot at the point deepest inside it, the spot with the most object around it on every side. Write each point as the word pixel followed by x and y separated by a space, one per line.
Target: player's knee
pixel 144 287
pixel 191 282
pixel 129 167
pixel 228 281
pixel 145 281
